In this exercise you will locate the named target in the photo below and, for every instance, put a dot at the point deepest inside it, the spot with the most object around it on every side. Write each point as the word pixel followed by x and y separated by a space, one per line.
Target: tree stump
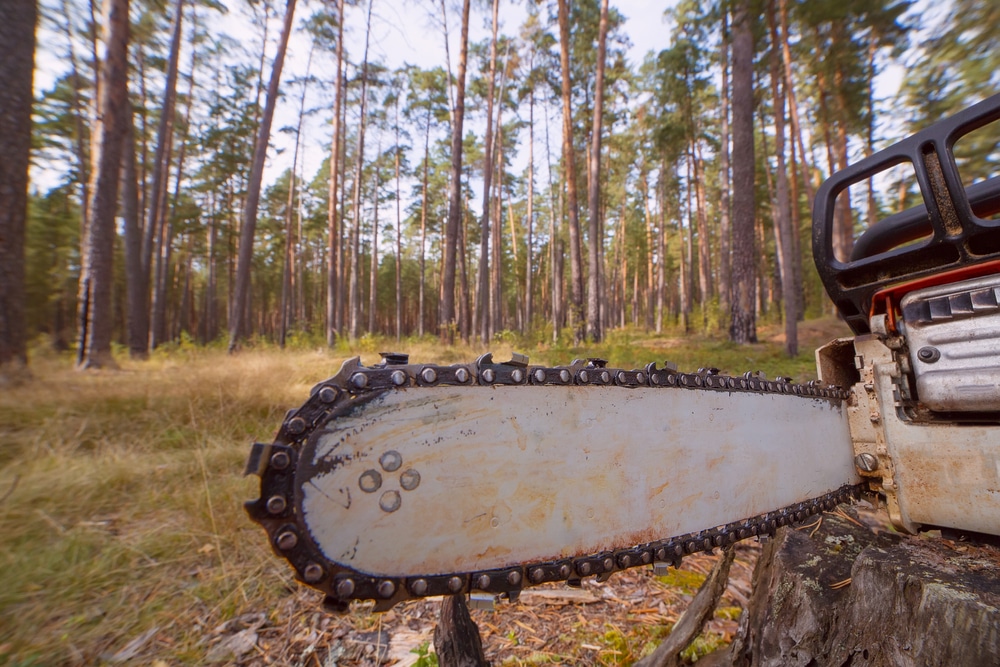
pixel 841 593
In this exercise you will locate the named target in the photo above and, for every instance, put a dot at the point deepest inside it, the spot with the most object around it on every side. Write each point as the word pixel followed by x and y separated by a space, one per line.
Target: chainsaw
pixel 404 480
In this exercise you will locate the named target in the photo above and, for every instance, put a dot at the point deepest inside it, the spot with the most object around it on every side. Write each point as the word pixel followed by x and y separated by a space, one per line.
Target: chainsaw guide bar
pixel 403 481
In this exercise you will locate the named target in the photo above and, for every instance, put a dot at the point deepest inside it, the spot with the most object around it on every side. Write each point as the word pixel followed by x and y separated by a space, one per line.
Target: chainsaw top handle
pixel 950 230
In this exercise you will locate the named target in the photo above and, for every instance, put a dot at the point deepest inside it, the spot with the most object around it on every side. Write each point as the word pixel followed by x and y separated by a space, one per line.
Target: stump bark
pixel 456 636
pixel 844 594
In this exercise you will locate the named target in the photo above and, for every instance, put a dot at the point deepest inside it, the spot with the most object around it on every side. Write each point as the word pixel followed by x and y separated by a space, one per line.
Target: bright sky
pixel 406 32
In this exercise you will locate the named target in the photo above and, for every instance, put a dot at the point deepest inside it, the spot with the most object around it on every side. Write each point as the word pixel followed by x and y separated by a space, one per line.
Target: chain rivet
pixel 488 376
pixel 565 571
pixel 276 504
pixel 483 582
pixel 419 587
pixel 398 378
pixel 297 426
pixel 514 578
pixel 584 377
pixel 345 588
pixel 359 380
pixel 328 394
pixel 583 568
pixel 280 460
pixel 609 564
pixel 564 376
pixel 429 375
pixel 462 375
pixel 605 377
pixel 536 575
pixel 287 540
pixel 517 375
pixel 455 584
pixel 386 588
pixel 539 375
pixel 312 573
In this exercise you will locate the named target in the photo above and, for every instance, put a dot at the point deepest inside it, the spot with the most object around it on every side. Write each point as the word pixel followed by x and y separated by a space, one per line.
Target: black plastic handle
pixel 952 217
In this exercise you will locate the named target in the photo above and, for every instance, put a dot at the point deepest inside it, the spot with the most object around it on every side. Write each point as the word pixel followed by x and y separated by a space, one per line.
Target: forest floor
pixel 125 540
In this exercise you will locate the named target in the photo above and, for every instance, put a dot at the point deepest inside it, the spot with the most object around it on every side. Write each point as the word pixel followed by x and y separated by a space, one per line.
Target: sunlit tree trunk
pixel 249 223
pixel 96 276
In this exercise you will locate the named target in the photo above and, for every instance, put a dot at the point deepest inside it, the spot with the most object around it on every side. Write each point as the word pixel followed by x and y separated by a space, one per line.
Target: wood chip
pixel 558 596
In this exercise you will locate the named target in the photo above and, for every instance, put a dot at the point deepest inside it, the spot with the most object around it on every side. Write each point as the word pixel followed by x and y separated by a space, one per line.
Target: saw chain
pixel 276 464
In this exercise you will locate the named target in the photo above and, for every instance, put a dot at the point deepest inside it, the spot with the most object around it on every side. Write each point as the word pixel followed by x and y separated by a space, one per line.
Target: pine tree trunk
pixel 569 162
pixel 743 326
pixel 704 246
pixel 354 288
pixel 555 248
pixel 447 322
pixel 333 222
pixel 782 223
pixel 249 223
pixel 138 309
pixel 399 241
pixel 18 19
pixel 529 268
pixel 161 168
pixel 373 265
pixel 486 320
pixel 96 276
pixel 421 315
pixel 725 228
pixel 594 324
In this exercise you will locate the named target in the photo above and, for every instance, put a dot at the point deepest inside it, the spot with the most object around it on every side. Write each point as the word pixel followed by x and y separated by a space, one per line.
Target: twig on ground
pixel 694 617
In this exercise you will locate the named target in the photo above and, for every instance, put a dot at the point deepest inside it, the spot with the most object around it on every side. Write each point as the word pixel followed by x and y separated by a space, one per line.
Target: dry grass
pixel 121 498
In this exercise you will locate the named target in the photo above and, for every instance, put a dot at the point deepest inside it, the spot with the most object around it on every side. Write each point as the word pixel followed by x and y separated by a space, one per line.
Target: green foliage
pixel 425 657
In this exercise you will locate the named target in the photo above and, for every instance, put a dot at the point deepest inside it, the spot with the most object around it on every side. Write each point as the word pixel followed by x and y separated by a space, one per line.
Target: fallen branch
pixel 693 619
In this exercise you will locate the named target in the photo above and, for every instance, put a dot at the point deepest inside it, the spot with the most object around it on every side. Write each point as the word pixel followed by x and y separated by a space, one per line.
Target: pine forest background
pixel 538 184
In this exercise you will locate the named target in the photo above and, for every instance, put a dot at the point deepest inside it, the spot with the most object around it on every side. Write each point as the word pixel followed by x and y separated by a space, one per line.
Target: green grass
pixel 122 490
